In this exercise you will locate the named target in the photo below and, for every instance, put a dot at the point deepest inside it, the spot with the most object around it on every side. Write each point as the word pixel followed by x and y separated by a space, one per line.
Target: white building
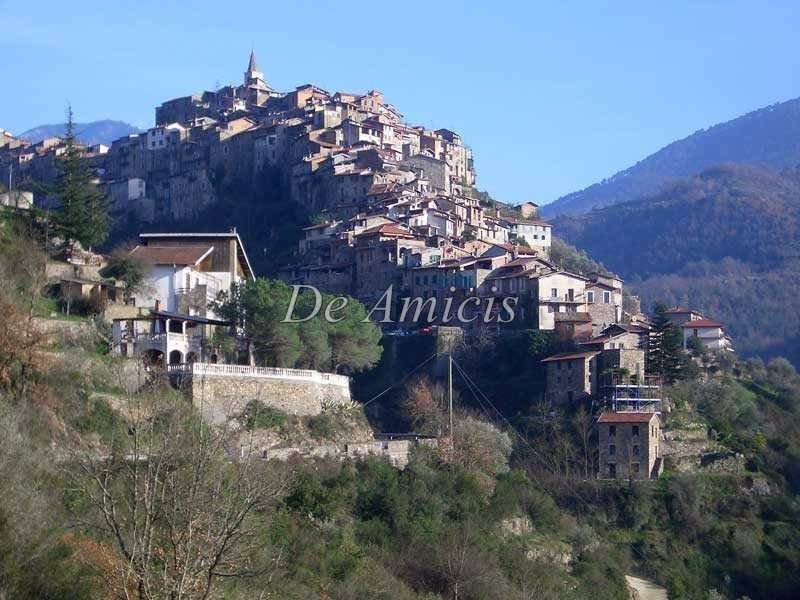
pixel 171 320
pixel 710 333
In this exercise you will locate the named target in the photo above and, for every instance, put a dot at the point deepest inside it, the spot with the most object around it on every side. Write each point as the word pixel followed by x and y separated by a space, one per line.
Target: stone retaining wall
pixel 219 395
pixel 397 452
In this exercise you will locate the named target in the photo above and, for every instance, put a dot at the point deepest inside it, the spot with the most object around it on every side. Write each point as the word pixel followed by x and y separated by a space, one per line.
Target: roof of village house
pixel 387 229
pixel 626 417
pixel 680 310
pixel 572 317
pixel 627 327
pixel 523 221
pixel 701 323
pixel 229 234
pixel 571 356
pixel 171 255
pixel 511 247
pixel 593 283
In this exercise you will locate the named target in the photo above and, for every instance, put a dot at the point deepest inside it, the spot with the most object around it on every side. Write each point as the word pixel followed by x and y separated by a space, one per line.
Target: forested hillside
pixel 726 241
pixel 768 136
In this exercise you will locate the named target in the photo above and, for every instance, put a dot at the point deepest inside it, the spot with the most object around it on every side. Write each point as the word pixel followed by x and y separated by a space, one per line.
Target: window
pixel 612 471
pixel 635 430
pixel 554 293
pixel 636 450
pixel 612 449
pixel 607 297
pixel 590 297
pixel 635 468
pixel 612 431
pixel 570 364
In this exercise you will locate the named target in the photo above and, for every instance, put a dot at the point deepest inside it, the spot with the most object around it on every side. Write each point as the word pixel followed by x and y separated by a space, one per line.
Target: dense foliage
pixel 82 214
pixel 304 337
pixel 726 242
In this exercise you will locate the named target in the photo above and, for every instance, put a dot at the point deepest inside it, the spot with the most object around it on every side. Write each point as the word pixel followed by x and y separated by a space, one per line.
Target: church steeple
pixel 253 76
pixel 252 66
pixel 256 89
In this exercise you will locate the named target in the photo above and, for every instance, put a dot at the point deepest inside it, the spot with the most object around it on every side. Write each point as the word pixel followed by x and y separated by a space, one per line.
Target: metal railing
pixel 214 369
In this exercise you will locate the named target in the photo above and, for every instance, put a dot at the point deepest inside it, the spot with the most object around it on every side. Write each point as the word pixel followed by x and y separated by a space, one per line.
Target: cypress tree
pixel 83 209
pixel 666 355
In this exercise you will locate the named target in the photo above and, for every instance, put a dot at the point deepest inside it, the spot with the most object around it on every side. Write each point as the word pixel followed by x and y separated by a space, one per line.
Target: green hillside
pixel 726 241
pixel 768 136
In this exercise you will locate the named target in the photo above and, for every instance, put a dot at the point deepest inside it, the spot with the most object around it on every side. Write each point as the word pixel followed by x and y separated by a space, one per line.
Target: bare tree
pixel 584 427
pixel 180 510
pixel 424 403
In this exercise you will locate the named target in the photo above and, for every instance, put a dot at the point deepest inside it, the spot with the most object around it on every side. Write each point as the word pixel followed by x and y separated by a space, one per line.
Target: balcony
pixel 561 299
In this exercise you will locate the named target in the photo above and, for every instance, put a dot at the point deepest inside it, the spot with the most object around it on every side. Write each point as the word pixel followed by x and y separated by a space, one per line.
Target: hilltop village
pixel 394 207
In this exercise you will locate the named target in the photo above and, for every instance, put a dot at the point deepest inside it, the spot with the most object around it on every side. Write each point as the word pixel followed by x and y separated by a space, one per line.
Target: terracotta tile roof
pixel 387 229
pixel 701 323
pixel 626 417
pixel 171 255
pixel 571 356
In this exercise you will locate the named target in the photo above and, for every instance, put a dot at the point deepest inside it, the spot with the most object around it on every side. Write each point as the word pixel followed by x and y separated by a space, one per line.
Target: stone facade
pixel 223 391
pixel 571 377
pixel 629 445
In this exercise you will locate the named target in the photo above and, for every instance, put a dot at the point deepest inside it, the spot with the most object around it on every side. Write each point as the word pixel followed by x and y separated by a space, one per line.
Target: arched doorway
pixel 213 359
pixel 175 357
pixel 153 358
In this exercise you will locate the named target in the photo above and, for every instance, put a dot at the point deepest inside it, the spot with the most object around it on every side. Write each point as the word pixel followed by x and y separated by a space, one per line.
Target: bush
pixel 258 415
pixel 322 426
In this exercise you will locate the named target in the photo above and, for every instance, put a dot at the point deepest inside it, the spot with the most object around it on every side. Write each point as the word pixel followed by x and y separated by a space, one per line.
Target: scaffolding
pixel 623 392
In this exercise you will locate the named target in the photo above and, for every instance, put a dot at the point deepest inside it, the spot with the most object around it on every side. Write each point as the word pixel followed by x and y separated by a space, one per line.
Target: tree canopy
pixel 83 212
pixel 349 342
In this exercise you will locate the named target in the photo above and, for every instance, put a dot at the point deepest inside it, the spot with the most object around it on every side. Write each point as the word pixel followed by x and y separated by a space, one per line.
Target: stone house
pixel 628 445
pixel 379 254
pixel 533 233
pixel 604 300
pixel 571 377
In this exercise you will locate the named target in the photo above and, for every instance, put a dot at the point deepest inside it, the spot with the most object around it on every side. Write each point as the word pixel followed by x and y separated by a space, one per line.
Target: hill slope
pixel 726 241
pixel 768 136
pixel 95 132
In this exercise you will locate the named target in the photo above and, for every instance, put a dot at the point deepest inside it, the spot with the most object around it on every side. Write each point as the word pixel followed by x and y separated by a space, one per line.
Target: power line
pixel 406 376
pixel 470 384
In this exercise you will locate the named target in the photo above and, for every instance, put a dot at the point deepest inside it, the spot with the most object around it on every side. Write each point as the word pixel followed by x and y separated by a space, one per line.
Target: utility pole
pixel 450 388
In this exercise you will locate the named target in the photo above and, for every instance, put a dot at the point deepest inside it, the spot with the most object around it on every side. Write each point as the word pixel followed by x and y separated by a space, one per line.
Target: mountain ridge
pixel 726 241
pixel 768 136
pixel 103 131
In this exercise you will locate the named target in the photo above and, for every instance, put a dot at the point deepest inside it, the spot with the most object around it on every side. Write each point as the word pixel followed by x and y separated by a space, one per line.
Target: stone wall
pixel 219 395
pixel 396 452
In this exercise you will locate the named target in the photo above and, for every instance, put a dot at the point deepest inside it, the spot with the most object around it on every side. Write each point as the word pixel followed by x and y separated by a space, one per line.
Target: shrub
pixel 258 415
pixel 321 426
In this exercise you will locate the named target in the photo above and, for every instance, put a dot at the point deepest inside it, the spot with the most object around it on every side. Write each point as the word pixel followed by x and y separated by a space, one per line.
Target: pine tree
pixel 666 356
pixel 83 209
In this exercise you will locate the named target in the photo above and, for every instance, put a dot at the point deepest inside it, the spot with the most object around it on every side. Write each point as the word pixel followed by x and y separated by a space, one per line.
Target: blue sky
pixel 552 97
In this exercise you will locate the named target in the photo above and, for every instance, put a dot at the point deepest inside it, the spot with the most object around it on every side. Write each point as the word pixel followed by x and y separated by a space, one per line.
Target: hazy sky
pixel 551 97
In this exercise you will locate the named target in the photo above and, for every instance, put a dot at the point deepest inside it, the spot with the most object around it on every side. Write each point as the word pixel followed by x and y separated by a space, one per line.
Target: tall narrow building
pixel 257 89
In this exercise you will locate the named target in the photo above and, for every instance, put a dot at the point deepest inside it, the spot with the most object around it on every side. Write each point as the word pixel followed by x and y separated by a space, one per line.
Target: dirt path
pixel 646 589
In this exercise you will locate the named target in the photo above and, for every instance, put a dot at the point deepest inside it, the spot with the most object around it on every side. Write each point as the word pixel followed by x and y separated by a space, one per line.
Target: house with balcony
pixel 694 324
pixel 170 319
pixel 711 333
pixel 541 288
